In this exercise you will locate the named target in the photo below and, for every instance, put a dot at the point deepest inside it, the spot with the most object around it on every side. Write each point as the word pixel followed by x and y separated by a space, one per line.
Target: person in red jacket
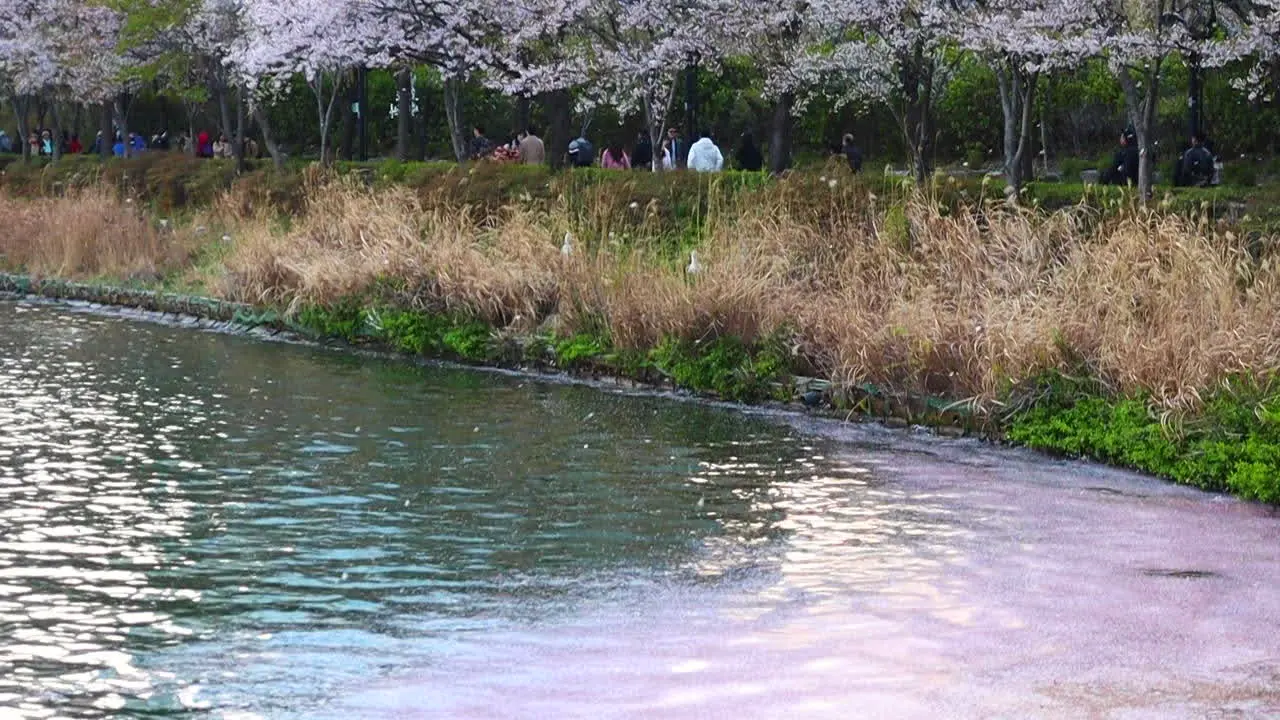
pixel 204 148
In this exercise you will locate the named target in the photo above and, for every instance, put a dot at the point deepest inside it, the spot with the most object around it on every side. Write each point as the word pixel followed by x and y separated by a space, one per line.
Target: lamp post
pixel 1200 18
pixel 691 95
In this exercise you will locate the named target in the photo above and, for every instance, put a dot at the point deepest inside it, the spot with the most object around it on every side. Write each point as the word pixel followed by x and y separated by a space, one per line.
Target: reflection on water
pixel 197 524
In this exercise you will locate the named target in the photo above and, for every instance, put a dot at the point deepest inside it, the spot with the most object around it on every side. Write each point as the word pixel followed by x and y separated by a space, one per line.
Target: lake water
pixel 196 524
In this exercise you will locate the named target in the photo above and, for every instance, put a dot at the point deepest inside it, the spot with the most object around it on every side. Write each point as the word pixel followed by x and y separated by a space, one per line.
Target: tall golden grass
pixel 88 233
pixel 895 291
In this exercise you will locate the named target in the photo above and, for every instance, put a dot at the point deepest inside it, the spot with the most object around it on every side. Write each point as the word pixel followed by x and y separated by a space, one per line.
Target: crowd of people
pixel 1197 166
pixel 703 155
pixel 43 144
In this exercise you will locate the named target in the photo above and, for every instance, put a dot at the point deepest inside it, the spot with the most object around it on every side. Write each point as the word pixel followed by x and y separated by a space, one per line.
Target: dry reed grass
pixel 350 241
pixel 895 291
pixel 88 233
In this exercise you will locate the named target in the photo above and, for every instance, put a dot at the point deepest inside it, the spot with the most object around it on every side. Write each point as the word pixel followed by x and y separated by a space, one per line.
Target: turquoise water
pixel 207 525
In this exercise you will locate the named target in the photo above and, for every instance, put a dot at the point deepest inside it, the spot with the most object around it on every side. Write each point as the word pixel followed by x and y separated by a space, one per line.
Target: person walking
pixel 222 148
pixel 642 158
pixel 6 143
pixel 1195 167
pixel 75 147
pixel 615 158
pixel 1124 165
pixel 532 149
pixel 675 145
pixel 704 156
pixel 204 148
pixel 749 157
pixel 481 146
pixel 581 153
pixel 852 154
pixel 668 160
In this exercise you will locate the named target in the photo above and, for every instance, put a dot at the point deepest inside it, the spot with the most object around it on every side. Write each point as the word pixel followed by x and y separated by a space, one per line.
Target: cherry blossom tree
pixel 58 52
pixel 28 60
pixel 775 35
pixel 1251 32
pixel 624 54
pixel 320 40
pixel 889 51
pixel 457 37
pixel 1021 39
pixel 634 53
pixel 1138 41
pixel 543 54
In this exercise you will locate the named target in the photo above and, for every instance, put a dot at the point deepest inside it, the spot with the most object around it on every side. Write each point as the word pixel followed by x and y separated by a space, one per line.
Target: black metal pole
pixel 691 99
pixel 1195 97
pixel 362 82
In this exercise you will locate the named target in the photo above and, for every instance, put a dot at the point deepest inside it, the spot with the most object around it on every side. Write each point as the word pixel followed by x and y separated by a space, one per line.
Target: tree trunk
pixel 1142 113
pixel 522 115
pixel 453 113
pixel 421 124
pixel 239 146
pixel 1047 95
pixel 347 140
pixel 924 129
pixel 325 111
pixel 190 109
pixel 224 112
pixel 1017 103
pixel 76 119
pixel 21 105
pixel 559 110
pixel 654 128
pixel 404 110
pixel 780 134
pixel 277 158
pixel 656 109
pixel 105 126
pixel 915 117
pixel 57 133
pixel 122 122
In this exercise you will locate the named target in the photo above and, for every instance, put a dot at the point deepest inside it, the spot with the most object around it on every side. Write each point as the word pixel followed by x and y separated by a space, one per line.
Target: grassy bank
pixel 171 183
pixel 1142 338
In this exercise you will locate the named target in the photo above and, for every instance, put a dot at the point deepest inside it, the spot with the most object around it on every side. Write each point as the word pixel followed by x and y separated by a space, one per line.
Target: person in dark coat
pixel 481 147
pixel 1124 164
pixel 852 154
pixel 748 157
pixel 581 153
pixel 1196 166
pixel 642 158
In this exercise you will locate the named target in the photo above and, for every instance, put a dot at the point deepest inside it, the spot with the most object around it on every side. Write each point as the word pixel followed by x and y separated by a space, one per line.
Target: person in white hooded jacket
pixel 704 156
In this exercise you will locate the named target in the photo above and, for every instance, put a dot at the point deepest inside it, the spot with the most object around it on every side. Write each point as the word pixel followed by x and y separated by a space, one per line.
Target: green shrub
pixel 469 340
pixel 576 350
pixel 1232 443
pixel 1240 174
pixel 724 366
pixel 345 321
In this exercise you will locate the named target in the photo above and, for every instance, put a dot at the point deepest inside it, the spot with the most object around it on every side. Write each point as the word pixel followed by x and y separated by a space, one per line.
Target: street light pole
pixel 691 97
